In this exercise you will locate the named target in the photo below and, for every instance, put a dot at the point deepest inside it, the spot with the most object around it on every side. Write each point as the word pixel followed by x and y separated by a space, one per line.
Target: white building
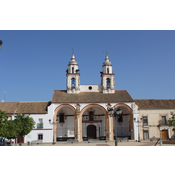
pixel 80 112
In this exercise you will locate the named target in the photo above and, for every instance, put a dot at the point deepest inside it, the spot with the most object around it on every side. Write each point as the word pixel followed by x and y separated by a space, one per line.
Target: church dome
pixel 73 60
pixel 107 61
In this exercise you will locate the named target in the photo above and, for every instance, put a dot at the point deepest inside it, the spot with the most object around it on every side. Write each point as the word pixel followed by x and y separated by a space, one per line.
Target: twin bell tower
pixel 73 79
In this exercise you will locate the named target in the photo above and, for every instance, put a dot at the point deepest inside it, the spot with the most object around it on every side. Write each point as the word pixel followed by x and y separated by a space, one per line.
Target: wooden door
pixel 91 132
pixel 164 134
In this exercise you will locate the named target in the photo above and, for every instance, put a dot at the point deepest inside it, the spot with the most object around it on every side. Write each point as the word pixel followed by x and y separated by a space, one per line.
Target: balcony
pixel 39 125
pixel 163 123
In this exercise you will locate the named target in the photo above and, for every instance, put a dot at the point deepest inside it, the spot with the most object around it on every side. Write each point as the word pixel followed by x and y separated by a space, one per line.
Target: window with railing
pixel 145 121
pixel 39 125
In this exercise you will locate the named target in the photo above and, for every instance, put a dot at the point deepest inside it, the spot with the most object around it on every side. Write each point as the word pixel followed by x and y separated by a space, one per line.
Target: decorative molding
pixel 107 75
pixel 77 88
pixel 106 65
pixel 73 64
pixel 78 107
pixel 94 121
pixel 69 74
pixel 164 128
pixel 91 110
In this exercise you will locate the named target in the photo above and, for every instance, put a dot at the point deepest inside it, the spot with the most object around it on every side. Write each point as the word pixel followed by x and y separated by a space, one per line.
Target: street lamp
pixel 137 121
pixel 1 43
pixel 115 113
pixel 53 123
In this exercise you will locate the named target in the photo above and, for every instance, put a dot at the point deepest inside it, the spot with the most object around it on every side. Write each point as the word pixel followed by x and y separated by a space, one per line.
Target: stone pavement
pixel 104 143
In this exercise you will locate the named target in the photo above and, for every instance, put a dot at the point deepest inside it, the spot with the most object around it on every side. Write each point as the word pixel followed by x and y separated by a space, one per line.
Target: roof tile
pixel 91 97
pixel 155 104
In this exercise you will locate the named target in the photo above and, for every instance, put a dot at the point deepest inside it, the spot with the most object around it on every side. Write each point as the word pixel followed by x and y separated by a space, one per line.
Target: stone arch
pixel 108 83
pixel 65 106
pixel 73 82
pixel 130 115
pixel 95 106
pixel 123 105
pixel 55 114
pixel 103 110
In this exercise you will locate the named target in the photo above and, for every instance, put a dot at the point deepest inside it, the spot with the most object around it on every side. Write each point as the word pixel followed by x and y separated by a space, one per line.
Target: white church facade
pixel 80 112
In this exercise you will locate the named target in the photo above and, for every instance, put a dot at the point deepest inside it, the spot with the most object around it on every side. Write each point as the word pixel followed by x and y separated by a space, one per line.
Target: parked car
pixel 7 142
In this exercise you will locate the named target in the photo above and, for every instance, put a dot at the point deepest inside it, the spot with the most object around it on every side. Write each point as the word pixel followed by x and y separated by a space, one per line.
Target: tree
pixel 12 131
pixel 24 125
pixel 8 128
pixel 3 125
pixel 172 123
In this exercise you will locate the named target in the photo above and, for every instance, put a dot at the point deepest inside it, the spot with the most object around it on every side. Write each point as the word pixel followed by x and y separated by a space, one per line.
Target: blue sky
pixel 34 63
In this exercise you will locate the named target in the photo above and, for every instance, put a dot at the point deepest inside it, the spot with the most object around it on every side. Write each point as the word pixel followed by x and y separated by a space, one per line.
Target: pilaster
pixel 54 128
pixel 107 127
pixel 78 126
pixel 111 130
pixel 131 125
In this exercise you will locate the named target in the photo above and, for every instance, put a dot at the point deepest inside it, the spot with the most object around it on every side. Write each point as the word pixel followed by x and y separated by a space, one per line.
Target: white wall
pixel 95 88
pixel 70 68
pixel 47 134
pixel 105 69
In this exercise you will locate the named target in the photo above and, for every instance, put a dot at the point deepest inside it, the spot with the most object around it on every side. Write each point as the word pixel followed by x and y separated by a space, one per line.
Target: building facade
pixel 80 112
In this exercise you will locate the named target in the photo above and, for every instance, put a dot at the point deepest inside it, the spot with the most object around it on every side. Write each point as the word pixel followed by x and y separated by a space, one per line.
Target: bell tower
pixel 73 77
pixel 107 77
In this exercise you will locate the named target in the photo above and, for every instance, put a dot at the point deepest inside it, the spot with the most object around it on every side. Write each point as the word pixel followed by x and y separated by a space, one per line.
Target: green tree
pixel 12 130
pixel 172 123
pixel 3 125
pixel 24 125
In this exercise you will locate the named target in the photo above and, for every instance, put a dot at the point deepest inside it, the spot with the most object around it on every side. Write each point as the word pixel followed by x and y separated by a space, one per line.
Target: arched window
pixel 61 118
pixel 107 70
pixel 91 116
pixel 73 82
pixel 73 70
pixel 108 82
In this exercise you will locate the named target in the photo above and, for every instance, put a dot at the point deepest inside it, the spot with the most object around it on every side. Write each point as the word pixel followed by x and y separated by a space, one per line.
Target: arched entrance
pixel 91 132
pixel 94 121
pixel 64 128
pixel 125 124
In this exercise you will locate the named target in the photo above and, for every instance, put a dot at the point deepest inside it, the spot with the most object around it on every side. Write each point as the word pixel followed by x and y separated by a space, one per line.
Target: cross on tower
pixel 106 52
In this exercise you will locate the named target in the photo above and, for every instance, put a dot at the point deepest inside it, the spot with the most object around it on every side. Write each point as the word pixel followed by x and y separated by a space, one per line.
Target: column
pixel 131 125
pixel 78 127
pixel 111 131
pixel 55 129
pixel 75 126
pixel 107 126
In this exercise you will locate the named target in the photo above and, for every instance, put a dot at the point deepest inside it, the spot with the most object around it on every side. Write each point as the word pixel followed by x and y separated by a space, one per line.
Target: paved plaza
pixel 101 143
